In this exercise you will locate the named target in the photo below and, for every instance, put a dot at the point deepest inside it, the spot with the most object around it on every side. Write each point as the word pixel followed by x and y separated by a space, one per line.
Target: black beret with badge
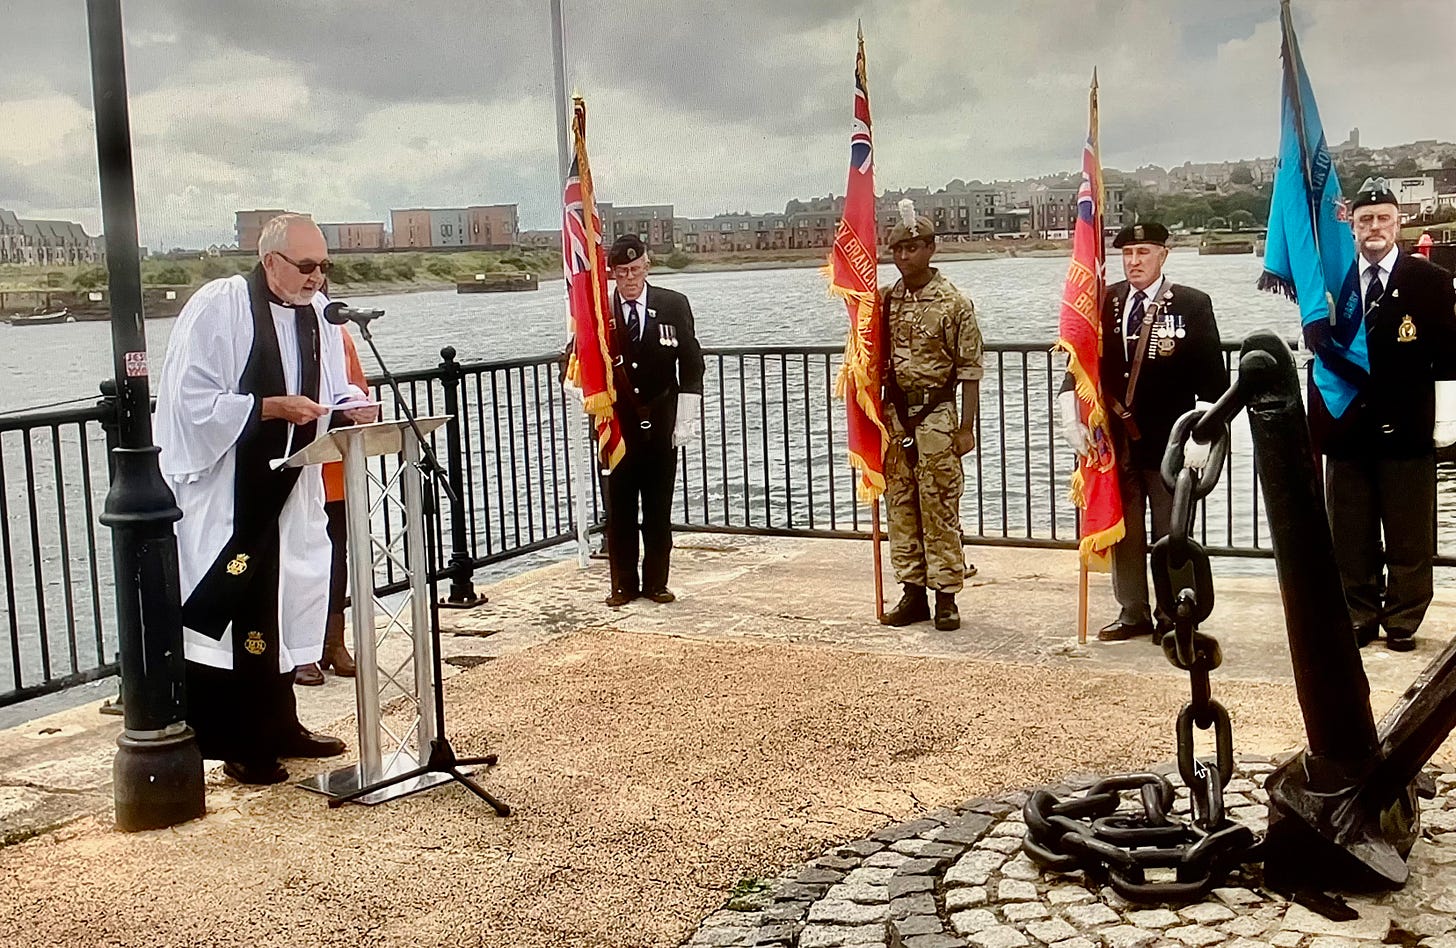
pixel 1373 191
pixel 625 250
pixel 1148 232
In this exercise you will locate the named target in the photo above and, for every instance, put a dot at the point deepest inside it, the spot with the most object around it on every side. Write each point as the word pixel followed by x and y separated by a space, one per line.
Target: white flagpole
pixel 579 458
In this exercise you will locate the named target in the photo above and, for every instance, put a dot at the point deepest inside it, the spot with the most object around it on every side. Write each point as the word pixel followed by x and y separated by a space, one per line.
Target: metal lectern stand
pixel 387 748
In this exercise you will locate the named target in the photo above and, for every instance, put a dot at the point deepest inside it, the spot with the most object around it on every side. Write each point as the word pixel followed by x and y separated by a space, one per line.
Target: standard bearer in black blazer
pixel 659 382
pixel 1161 356
pixel 1380 464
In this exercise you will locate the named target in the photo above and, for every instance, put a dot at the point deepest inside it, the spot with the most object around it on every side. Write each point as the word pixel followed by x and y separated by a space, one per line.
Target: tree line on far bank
pixel 1247 205
pixel 348 269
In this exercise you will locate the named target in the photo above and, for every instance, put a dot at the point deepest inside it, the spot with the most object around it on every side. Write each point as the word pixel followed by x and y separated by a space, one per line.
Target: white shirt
pixel 1384 267
pixel 1151 293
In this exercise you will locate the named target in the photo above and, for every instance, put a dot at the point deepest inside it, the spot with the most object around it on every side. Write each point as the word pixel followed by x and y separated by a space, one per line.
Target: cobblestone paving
pixel 956 878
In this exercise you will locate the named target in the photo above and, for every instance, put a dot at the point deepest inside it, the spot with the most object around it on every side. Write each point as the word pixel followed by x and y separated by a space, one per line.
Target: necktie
pixel 634 328
pixel 1375 291
pixel 1134 321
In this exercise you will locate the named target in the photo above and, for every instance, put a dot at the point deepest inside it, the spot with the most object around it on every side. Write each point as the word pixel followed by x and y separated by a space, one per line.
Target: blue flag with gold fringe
pixel 1310 253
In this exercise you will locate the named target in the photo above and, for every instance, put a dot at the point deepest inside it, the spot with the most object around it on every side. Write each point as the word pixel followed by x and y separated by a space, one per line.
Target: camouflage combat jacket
pixel 933 338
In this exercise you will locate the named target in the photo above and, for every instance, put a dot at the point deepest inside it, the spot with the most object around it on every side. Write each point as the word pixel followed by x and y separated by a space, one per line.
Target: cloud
pixel 347 108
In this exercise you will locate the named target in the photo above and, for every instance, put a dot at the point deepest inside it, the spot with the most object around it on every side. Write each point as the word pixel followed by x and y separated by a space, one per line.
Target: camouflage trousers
pixel 924 503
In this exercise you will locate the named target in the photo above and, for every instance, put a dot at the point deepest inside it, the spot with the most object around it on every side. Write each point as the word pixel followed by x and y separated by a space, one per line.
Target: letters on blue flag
pixel 1310 254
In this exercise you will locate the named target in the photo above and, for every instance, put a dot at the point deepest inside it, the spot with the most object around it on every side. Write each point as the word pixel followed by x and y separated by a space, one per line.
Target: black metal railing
pixel 770 460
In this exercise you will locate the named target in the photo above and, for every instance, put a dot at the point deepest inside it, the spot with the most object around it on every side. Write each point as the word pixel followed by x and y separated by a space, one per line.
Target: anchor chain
pixel 1091 833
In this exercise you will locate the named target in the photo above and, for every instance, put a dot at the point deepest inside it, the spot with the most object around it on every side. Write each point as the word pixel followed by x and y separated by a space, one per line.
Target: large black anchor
pixel 1342 812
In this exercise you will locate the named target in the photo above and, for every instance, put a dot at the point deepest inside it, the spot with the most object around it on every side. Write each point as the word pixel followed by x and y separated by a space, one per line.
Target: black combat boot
pixel 947 616
pixel 912 607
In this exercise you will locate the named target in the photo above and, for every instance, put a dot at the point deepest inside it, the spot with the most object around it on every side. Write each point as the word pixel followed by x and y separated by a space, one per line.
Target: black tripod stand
pixel 441 759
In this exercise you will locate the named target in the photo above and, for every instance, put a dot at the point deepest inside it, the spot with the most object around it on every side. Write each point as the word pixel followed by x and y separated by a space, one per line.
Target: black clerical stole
pixel 241 586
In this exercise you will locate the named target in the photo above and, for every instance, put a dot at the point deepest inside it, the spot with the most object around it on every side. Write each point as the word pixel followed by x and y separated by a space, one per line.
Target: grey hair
pixel 274 236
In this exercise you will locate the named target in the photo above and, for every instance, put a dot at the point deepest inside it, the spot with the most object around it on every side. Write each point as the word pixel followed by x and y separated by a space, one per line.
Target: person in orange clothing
pixel 336 655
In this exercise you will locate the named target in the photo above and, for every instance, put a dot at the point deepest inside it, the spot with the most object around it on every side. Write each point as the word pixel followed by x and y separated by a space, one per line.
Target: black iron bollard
pixel 461 565
pixel 158 770
pixel 1321 832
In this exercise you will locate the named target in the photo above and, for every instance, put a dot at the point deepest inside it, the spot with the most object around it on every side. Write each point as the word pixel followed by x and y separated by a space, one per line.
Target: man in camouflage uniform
pixel 933 344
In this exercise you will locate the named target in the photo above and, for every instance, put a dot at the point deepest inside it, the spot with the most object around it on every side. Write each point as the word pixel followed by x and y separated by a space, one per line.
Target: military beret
pixel 1373 191
pixel 900 233
pixel 625 249
pixel 1148 232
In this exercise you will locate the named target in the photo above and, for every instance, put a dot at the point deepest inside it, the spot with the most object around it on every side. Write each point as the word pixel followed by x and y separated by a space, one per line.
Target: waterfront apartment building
pixel 46 243
pixel 1054 210
pixel 363 236
pixel 726 233
pixel 483 227
pixel 249 226
pixel 653 223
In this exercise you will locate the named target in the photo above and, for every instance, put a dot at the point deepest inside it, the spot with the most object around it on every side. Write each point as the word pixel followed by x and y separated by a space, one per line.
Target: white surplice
pixel 200 415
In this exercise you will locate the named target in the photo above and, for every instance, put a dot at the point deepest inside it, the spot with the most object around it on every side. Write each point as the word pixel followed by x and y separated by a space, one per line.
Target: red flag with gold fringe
pixel 1095 482
pixel 853 276
pixel 590 364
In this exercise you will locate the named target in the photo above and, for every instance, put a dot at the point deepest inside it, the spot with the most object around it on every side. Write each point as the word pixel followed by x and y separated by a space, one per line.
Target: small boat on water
pixel 1225 246
pixel 42 318
pixel 511 281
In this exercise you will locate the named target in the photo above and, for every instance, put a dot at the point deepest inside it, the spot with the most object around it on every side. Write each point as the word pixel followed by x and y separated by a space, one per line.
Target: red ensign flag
pixel 853 267
pixel 590 365
pixel 1094 483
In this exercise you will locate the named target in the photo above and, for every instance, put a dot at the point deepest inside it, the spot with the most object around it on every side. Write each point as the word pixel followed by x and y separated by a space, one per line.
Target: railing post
pixel 461 565
pixel 111 427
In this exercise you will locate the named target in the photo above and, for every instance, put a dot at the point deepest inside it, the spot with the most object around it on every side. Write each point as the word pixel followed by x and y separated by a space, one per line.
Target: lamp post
pixel 157 773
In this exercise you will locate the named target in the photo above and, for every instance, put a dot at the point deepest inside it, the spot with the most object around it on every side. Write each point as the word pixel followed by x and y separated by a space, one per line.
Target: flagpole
pixel 879 577
pixel 578 458
pixel 1082 604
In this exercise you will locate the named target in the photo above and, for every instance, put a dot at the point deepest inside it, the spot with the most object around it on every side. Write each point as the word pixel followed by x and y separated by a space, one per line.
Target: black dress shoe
pixel 661 595
pixel 1122 631
pixel 255 771
pixel 1365 634
pixel 308 744
pixel 1400 643
pixel 619 598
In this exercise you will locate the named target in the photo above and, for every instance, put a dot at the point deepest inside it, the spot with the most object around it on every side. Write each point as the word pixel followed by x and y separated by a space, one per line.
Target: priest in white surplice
pixel 251 367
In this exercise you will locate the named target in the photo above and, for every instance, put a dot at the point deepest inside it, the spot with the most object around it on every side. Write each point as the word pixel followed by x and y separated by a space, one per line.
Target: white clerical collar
pixel 1386 264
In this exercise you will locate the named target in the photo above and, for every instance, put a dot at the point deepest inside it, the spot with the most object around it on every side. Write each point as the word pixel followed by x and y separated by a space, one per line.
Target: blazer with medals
pixel 1182 364
pixel 665 362
pixel 1411 333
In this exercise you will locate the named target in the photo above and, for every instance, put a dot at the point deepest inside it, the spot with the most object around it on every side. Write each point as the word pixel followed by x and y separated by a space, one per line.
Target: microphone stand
pixel 442 758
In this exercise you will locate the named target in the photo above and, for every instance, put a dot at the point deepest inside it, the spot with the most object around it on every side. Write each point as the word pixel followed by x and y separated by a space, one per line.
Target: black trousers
pixel 642 480
pixel 240 718
pixel 1141 489
pixel 1394 499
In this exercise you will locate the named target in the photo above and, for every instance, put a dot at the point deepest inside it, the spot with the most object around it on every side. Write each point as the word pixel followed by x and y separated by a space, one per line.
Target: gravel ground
pixel 650 775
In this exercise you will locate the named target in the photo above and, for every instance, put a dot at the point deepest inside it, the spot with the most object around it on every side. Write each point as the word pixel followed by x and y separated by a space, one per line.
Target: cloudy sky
pixel 347 108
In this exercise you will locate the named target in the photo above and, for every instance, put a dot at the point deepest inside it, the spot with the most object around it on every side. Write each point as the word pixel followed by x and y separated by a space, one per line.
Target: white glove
pixel 1445 433
pixel 686 429
pixel 1195 454
pixel 574 391
pixel 1073 431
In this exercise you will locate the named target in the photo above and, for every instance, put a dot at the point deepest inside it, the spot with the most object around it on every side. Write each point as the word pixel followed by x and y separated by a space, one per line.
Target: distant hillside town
pixel 1189 198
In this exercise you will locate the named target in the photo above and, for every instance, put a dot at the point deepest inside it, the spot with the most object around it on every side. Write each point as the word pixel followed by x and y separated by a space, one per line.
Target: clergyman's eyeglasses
pixel 308 266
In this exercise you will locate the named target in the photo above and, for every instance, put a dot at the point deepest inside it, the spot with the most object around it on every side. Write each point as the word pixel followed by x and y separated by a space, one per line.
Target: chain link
pixel 1090 833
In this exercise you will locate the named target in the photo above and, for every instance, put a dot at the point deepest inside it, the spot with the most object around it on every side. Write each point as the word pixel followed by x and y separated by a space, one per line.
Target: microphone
pixel 338 313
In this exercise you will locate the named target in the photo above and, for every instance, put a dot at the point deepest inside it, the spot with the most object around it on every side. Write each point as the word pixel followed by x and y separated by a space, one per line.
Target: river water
pixel 1016 301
